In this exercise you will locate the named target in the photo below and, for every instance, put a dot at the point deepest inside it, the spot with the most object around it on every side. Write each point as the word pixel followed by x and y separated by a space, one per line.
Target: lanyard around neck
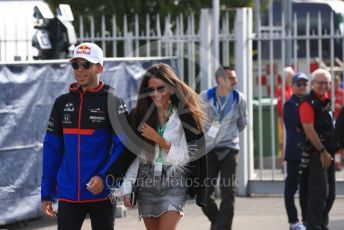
pixel 161 130
pixel 219 107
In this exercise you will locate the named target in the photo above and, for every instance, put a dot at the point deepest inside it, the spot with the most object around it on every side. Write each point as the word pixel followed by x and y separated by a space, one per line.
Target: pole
pixel 216 20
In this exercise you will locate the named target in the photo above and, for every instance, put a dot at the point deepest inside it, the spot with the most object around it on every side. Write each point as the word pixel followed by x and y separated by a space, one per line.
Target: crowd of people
pixel 175 144
pixel 313 137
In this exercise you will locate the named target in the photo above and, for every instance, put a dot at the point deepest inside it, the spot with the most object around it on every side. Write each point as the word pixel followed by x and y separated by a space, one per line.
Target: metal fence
pixel 183 36
pixel 259 59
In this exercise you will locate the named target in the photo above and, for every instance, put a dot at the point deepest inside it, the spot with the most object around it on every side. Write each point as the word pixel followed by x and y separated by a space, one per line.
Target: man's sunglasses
pixel 301 84
pixel 76 65
pixel 159 89
pixel 323 82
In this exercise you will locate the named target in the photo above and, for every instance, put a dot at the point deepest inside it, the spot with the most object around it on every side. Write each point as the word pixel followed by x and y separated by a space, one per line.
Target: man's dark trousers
pixel 294 180
pixel 221 218
pixel 71 216
pixel 321 194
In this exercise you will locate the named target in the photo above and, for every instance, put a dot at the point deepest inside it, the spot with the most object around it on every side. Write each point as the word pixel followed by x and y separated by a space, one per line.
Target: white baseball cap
pixel 89 51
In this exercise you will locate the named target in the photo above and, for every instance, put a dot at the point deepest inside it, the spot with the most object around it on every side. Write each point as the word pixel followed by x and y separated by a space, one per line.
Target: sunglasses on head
pixel 159 89
pixel 76 65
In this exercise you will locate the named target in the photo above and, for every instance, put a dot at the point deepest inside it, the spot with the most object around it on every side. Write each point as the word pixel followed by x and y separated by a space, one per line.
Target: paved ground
pixel 255 213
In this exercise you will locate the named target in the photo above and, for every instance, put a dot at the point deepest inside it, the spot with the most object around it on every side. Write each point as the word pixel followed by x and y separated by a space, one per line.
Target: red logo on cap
pixel 84 49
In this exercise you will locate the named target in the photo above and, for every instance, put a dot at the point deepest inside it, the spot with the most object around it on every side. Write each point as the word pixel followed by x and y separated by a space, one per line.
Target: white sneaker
pixel 297 226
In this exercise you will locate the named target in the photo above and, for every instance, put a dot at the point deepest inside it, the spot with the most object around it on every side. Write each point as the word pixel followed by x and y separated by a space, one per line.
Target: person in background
pixel 338 95
pixel 316 119
pixel 295 138
pixel 288 74
pixel 227 114
pixel 339 129
pixel 80 145
pixel 338 105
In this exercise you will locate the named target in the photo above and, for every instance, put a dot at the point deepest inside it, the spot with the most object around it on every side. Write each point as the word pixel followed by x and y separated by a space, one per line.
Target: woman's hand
pixel 127 203
pixel 150 133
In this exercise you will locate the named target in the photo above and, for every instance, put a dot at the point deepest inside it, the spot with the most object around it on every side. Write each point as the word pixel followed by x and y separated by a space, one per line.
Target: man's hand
pixel 326 159
pixel 95 185
pixel 47 208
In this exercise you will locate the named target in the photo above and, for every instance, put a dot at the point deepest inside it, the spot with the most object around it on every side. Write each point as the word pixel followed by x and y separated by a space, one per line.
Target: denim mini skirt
pixel 157 195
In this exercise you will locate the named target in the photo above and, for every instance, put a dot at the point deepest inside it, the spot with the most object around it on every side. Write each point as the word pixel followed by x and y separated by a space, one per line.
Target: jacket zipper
pixel 79 127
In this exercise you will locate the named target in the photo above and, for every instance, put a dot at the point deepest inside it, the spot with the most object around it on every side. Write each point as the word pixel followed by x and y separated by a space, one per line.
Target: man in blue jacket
pixel 80 145
pixel 293 152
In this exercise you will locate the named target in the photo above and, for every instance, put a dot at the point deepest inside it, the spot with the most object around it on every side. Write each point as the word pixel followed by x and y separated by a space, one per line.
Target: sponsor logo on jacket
pixel 69 107
pixel 97 118
pixel 66 119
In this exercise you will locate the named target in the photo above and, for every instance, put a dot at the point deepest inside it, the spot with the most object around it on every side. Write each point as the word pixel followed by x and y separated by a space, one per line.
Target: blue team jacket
pixel 79 143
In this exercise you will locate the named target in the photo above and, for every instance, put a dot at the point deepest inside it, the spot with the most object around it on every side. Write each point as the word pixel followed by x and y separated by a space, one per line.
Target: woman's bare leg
pixel 169 220
pixel 151 223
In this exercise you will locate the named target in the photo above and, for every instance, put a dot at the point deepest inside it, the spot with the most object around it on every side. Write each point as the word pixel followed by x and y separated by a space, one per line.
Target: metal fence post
pixel 216 26
pixel 243 63
pixel 205 49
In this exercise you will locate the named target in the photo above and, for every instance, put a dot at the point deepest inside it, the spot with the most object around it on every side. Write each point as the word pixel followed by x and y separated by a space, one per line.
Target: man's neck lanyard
pixel 219 107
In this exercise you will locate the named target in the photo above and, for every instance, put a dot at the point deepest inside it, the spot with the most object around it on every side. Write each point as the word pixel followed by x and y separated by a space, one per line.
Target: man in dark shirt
pixel 293 152
pixel 317 122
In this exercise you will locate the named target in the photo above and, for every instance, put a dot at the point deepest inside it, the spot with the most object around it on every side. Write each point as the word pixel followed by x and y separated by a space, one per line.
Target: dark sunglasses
pixel 159 89
pixel 301 84
pixel 76 65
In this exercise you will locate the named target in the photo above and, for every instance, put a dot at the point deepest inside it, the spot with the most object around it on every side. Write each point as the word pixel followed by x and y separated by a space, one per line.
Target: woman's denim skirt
pixel 158 194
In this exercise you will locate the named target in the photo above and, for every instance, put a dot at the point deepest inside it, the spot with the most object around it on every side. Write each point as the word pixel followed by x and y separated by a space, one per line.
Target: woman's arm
pixel 128 180
pixel 151 134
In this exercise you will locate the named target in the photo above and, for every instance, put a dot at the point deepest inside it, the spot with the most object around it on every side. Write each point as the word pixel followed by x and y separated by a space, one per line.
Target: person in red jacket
pixel 338 95
pixel 288 91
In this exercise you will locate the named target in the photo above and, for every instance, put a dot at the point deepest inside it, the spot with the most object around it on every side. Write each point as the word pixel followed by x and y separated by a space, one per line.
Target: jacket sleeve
pixel 121 156
pixel 198 169
pixel 129 179
pixel 243 118
pixel 204 96
pixel 178 153
pixel 118 114
pixel 53 150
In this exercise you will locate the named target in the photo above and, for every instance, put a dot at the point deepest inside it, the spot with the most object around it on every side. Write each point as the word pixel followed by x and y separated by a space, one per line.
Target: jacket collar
pixel 75 88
